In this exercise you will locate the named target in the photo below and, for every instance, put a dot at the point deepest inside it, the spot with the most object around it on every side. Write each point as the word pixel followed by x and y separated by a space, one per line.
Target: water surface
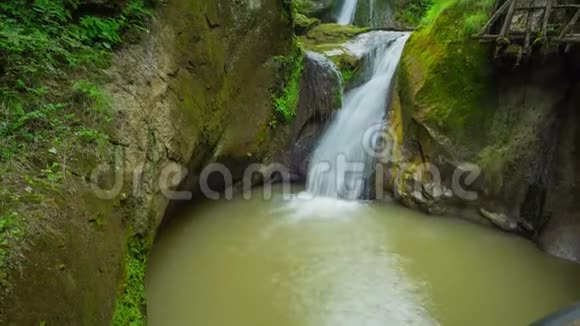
pixel 324 262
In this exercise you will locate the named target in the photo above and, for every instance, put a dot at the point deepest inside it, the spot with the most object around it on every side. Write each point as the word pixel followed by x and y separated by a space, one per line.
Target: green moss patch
pixel 10 234
pixel 329 40
pixel 448 76
pixel 285 99
pixel 413 11
pixel 303 24
pixel 131 303
pixel 326 37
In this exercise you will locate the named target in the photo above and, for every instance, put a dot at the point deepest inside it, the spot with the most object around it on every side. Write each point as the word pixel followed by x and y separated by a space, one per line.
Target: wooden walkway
pixel 528 23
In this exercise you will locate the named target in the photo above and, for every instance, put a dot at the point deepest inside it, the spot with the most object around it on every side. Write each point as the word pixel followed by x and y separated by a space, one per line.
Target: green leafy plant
pixel 131 302
pixel 90 96
pixel 43 43
pixel 302 6
pixel 52 57
pixel 10 232
pixel 53 172
pixel 90 135
pixel 286 100
pixel 102 31
pixel 415 10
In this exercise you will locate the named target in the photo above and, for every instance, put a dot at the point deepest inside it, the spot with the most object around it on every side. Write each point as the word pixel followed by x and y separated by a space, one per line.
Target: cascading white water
pixel 346 15
pixel 342 164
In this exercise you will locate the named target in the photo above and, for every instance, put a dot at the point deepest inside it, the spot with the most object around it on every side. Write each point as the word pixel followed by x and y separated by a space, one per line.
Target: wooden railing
pixel 549 29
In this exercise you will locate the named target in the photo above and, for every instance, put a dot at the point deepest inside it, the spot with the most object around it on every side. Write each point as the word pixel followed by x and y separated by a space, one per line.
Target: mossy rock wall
pixel 210 98
pixel 197 90
pixel 454 104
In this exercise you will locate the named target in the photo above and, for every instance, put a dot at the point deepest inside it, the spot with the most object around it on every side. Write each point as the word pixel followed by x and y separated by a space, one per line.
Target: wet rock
pixel 320 95
pixel 452 105
pixel 500 220
pixel 303 24
pixel 318 8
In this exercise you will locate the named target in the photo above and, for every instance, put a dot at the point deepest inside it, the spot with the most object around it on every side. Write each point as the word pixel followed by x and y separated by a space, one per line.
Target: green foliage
pixel 53 172
pixel 473 23
pixel 414 11
pixel 472 9
pixel 91 97
pixel 302 6
pixel 130 305
pixel 53 113
pixel 347 75
pixel 286 100
pixel 42 44
pixel 90 135
pixel 303 24
pixel 10 231
pixel 102 31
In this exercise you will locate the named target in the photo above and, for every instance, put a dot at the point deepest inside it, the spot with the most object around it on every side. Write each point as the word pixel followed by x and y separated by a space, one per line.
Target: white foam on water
pixel 307 206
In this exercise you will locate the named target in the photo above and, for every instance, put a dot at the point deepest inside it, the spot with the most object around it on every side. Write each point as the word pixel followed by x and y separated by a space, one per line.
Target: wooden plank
pixel 491 21
pixel 570 6
pixel 528 31
pixel 547 14
pixel 508 19
pixel 570 24
pixel 575 38
pixel 554 7
pixel 493 37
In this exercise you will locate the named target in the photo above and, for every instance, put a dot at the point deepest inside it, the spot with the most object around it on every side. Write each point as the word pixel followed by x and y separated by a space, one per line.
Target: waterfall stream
pixel 343 164
pixel 346 15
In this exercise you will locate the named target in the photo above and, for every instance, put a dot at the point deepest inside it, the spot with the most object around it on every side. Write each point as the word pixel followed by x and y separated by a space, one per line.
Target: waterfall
pixel 346 15
pixel 372 13
pixel 342 165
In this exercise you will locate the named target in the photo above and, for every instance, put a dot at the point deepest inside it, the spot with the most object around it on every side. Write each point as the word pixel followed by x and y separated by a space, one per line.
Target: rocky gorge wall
pixel 199 89
pixel 454 104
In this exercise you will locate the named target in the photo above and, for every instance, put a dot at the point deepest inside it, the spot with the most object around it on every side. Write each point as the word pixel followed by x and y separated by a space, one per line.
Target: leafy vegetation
pixel 10 231
pixel 42 45
pixel 471 9
pixel 414 11
pixel 130 305
pixel 285 100
pixel 54 115
pixel 346 75
pixel 302 6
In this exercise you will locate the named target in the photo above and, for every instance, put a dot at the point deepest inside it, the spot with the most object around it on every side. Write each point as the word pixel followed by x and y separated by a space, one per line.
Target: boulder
pixel 303 24
pixel 320 96
pixel 454 106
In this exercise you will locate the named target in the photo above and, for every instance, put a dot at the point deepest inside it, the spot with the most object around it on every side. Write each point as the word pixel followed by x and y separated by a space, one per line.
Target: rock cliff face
pixel 197 90
pixel 320 96
pixel 456 108
pixel 201 90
